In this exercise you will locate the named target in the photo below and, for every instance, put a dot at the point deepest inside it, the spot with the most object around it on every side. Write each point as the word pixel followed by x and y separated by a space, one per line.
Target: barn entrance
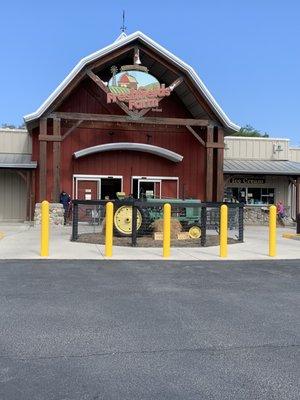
pixel 155 187
pixel 96 187
pixel 109 187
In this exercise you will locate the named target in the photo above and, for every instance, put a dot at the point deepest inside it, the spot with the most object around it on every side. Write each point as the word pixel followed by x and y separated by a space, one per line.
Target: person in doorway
pixel 65 200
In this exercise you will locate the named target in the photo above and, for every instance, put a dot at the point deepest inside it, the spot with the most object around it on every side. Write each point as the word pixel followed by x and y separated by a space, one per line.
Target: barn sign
pixel 137 88
pixel 248 180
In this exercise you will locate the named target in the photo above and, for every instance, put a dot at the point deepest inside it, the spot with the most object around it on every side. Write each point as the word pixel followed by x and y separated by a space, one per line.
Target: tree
pixel 12 126
pixel 249 131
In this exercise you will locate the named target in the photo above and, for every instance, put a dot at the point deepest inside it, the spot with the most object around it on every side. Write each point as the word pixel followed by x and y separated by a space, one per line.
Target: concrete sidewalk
pixel 19 241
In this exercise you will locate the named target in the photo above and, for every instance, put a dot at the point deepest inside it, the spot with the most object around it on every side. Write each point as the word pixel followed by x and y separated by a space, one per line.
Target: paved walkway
pixel 19 241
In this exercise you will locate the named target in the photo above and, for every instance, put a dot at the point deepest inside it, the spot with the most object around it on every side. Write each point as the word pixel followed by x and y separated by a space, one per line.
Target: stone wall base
pixel 56 212
pixel 260 216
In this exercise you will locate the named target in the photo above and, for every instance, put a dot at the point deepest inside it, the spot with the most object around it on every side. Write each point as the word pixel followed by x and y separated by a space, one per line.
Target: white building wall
pixel 12 185
pixel 245 148
pixel 15 141
pixel 295 154
pixel 265 149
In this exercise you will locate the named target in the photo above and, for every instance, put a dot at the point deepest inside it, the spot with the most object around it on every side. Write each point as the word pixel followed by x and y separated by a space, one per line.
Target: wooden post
pixel 32 195
pixel 28 195
pixel 56 160
pixel 209 164
pixel 43 161
pixel 297 196
pixel 220 162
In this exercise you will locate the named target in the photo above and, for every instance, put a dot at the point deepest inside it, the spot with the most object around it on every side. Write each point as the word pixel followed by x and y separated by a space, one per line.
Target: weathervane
pixel 123 27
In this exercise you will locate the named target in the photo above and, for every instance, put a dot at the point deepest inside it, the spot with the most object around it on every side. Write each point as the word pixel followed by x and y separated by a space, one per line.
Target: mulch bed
pixel 148 241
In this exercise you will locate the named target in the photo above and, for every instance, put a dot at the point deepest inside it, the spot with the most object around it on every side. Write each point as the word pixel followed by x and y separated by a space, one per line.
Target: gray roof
pixel 261 167
pixel 8 160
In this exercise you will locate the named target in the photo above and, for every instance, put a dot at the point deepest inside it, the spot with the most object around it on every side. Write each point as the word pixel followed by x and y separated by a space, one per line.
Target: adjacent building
pixel 261 171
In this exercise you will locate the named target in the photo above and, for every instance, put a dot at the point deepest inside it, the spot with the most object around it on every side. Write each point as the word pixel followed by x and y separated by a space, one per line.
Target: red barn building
pixel 92 138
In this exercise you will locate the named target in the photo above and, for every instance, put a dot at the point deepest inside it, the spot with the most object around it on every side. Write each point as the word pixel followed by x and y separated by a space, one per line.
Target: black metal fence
pixel 139 223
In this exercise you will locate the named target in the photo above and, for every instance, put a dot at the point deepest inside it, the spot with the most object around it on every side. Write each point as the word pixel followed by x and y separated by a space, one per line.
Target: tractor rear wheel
pixel 123 221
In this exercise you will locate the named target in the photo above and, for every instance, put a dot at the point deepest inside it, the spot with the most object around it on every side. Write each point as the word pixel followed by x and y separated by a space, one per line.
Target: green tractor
pixel 186 213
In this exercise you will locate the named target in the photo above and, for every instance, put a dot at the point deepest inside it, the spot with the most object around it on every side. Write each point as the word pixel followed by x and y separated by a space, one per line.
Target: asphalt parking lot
pixel 149 330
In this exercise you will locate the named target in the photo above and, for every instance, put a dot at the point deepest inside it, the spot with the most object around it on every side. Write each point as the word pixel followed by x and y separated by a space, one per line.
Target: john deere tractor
pixel 186 213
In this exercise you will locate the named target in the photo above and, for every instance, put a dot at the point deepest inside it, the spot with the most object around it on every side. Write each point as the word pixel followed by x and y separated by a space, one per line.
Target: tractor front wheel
pixel 194 231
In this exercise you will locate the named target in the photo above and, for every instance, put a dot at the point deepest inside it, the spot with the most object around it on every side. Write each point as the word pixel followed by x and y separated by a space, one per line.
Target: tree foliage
pixel 13 126
pixel 249 131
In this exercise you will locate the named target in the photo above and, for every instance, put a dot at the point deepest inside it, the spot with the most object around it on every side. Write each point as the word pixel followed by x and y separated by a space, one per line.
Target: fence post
pixel 272 231
pixel 109 228
pixel 75 222
pixel 203 225
pixel 223 231
pixel 167 230
pixel 45 229
pixel 134 225
pixel 241 222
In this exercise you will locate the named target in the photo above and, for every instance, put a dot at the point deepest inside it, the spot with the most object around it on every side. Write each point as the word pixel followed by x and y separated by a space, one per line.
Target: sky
pixel 246 52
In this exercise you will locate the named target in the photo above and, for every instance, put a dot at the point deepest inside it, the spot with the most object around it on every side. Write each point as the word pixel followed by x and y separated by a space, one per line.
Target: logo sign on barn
pixel 135 87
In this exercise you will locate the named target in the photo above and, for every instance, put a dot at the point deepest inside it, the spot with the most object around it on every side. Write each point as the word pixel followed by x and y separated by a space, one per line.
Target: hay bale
pixel 176 227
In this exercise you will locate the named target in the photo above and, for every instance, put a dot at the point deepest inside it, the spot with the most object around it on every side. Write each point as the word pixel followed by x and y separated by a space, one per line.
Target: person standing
pixel 280 212
pixel 65 200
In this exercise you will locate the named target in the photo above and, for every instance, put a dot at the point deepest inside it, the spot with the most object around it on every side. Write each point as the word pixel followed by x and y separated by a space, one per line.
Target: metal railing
pixel 136 221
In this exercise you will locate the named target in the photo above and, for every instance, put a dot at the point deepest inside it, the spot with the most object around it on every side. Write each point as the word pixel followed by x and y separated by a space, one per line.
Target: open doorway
pixel 155 187
pixel 146 188
pixel 109 188
pixel 96 187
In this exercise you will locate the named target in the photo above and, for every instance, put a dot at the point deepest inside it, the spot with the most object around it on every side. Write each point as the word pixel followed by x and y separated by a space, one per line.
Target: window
pixel 255 196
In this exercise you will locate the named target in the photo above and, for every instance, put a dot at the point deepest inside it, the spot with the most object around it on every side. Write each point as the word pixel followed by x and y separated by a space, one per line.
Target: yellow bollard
pixel 167 230
pixel 109 228
pixel 272 230
pixel 223 231
pixel 45 229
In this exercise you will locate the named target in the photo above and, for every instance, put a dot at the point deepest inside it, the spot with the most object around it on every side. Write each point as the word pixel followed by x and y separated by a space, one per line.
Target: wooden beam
pixel 100 97
pixel 43 161
pixel 56 160
pixel 97 80
pixel 82 74
pixel 126 126
pixel 176 83
pixel 297 196
pixel 220 169
pixel 127 119
pixel 190 85
pixel 215 145
pixel 50 138
pixel 103 87
pixel 28 199
pixel 195 134
pixel 70 130
pixel 32 195
pixel 209 164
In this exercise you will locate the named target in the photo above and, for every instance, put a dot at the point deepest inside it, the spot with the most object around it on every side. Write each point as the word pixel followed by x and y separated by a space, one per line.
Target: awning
pixel 8 160
pixel 143 147
pixel 261 167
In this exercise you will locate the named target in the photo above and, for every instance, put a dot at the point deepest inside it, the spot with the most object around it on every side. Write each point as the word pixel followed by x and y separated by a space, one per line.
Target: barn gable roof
pixel 120 42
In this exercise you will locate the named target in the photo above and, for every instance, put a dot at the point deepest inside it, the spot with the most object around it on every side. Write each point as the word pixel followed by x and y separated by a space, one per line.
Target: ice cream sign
pixel 137 88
